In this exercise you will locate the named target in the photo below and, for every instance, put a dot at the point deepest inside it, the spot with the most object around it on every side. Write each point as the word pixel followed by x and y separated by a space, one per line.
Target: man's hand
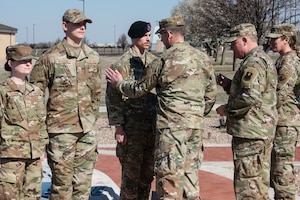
pixel 221 110
pixel 120 135
pixel 222 80
pixel 43 157
pixel 113 76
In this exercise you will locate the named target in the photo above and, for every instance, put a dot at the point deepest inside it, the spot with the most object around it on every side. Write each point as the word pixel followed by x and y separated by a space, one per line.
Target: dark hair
pixel 293 43
pixel 297 51
pixel 7 67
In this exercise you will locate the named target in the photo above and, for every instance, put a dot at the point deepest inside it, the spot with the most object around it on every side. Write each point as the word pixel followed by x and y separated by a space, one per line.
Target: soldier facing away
pixel 284 41
pixel 71 72
pixel 186 89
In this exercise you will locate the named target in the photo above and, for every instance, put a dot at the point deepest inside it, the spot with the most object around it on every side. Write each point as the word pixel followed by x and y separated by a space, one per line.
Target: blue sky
pixel 40 20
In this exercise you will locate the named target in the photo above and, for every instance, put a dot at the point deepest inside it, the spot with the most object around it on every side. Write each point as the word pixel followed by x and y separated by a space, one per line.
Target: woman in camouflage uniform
pixel 23 135
pixel 283 40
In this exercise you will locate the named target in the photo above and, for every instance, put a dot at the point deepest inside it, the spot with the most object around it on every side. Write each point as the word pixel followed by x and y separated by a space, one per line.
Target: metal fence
pixel 100 50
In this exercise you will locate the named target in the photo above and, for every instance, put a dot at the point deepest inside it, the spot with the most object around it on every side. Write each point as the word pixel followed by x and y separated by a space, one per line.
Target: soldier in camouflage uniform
pixel 251 114
pixel 134 119
pixel 186 88
pixel 71 72
pixel 284 41
pixel 23 135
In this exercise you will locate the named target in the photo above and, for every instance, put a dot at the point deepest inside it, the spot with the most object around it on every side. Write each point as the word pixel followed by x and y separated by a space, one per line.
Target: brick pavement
pixel 212 186
pixel 215 175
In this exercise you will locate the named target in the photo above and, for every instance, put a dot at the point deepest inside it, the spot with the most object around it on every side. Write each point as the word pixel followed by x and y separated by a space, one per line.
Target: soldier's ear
pixel 287 39
pixel 244 39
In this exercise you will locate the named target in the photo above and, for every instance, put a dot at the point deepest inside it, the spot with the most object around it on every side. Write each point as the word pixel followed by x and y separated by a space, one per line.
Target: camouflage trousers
pixel 72 158
pixel 20 179
pixel 137 160
pixel 252 159
pixel 282 165
pixel 178 157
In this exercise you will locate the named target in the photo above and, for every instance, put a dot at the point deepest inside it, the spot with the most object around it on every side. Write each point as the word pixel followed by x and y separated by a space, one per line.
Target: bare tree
pixel 212 19
pixel 122 41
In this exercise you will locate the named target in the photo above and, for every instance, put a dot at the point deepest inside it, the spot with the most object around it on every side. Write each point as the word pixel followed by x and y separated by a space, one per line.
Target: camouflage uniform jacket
pixel 288 69
pixel 73 77
pixel 132 111
pixel 252 102
pixel 185 83
pixel 22 117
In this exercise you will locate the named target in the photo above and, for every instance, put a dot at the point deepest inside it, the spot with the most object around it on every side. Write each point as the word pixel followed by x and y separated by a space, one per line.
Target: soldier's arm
pixel 42 119
pixel 135 89
pixel 114 105
pixel 40 74
pixel 211 88
pixel 252 82
pixel 287 80
pixel 96 90
pixel 114 100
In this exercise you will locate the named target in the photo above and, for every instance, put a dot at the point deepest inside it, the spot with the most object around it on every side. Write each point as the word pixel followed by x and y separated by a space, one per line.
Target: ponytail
pixel 297 49
pixel 293 44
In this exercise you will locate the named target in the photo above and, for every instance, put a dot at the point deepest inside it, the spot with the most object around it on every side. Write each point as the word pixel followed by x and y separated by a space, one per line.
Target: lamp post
pixel 26 34
pixel 82 5
pixel 33 33
pixel 115 34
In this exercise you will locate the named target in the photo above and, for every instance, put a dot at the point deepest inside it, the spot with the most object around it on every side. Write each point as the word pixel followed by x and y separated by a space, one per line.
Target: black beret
pixel 138 29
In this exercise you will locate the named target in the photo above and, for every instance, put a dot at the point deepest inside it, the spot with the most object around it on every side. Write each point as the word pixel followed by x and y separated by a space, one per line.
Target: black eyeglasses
pixel 160 34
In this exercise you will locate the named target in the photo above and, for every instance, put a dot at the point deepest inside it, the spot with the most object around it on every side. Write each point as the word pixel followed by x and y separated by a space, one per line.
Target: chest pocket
pixel 13 112
pixel 137 67
pixel 64 77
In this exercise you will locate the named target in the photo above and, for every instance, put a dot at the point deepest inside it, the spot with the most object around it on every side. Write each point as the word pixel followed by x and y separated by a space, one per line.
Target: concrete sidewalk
pixel 103 187
pixel 215 175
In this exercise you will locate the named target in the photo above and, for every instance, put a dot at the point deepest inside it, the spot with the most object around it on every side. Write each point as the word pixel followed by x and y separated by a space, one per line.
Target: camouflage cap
pixel 19 52
pixel 75 16
pixel 281 30
pixel 171 22
pixel 245 29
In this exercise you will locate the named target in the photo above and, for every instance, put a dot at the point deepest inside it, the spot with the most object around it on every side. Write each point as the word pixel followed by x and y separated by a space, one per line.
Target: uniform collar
pixel 13 86
pixel 74 52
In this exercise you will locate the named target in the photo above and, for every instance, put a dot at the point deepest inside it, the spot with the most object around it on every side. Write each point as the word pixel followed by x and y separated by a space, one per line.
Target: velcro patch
pixel 250 73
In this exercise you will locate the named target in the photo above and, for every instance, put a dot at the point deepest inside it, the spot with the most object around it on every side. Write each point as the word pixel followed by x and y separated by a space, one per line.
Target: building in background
pixel 7 38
